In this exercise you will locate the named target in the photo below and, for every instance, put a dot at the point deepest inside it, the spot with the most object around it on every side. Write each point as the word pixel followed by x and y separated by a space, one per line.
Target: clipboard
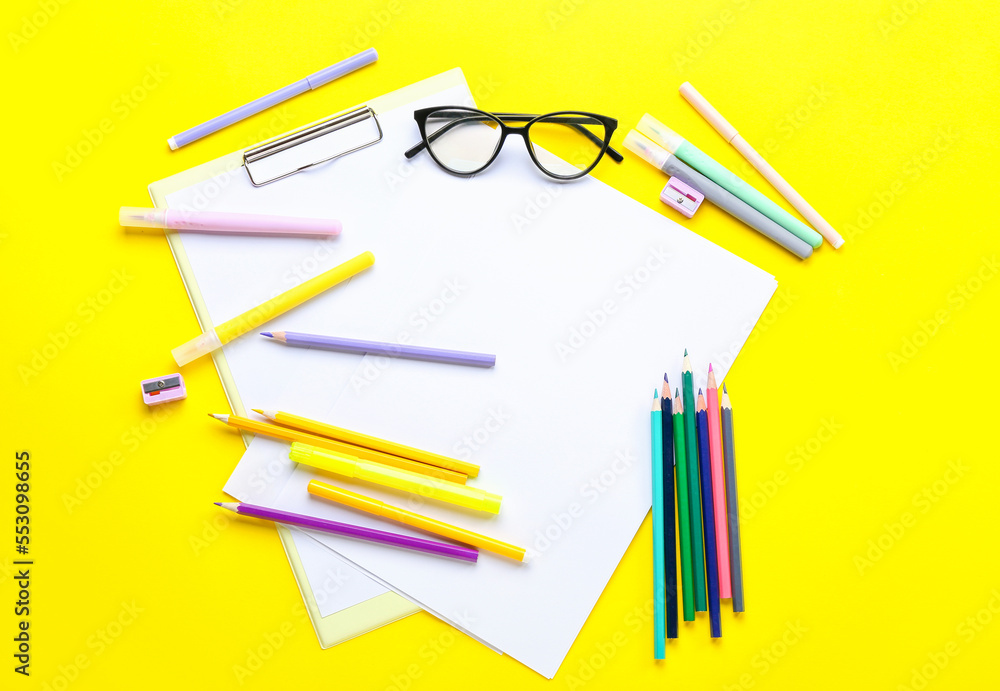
pixel 388 607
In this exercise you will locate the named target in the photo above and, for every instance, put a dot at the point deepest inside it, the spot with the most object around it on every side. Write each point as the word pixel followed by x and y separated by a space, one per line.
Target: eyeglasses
pixel 565 145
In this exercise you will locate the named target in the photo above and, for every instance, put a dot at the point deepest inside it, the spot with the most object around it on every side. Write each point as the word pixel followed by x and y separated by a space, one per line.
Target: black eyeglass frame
pixel 610 125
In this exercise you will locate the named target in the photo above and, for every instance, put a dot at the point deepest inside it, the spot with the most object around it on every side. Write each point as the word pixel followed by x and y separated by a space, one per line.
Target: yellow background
pixel 883 114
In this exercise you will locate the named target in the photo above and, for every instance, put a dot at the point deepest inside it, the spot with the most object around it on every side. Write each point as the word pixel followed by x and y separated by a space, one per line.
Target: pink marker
pixel 217 222
pixel 718 487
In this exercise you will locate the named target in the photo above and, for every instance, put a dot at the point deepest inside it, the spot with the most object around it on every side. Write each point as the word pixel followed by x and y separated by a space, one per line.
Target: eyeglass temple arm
pixel 576 123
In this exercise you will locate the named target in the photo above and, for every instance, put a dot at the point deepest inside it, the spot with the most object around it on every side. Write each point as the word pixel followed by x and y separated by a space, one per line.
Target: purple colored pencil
pixel 708 516
pixel 351 345
pixel 442 549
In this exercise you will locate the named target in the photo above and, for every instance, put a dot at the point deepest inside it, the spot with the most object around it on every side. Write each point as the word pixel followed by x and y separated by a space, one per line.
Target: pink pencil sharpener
pixel 682 197
pixel 163 389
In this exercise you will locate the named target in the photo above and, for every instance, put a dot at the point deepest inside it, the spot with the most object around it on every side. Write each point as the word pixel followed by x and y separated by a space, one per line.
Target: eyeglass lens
pixel 462 141
pixel 561 143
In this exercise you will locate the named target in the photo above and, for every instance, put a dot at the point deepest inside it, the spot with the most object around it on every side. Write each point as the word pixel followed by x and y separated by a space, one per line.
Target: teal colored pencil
pixel 694 486
pixel 659 564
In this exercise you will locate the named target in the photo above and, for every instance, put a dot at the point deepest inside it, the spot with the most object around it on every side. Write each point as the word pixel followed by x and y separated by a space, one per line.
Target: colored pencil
pixel 356 531
pixel 669 519
pixel 353 345
pixel 416 520
pixel 718 486
pixel 292 435
pixel 659 570
pixel 708 514
pixel 369 442
pixel 694 485
pixel 732 503
pixel 683 513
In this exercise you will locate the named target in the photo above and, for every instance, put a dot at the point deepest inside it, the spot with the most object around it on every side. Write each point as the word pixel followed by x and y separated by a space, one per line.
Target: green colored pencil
pixel 694 486
pixel 683 512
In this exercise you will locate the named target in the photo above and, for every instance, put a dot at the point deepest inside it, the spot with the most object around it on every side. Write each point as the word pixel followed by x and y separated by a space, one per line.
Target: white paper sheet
pixel 335 583
pixel 584 295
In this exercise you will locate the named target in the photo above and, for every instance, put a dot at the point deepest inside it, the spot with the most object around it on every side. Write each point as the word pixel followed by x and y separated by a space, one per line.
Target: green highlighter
pixel 710 168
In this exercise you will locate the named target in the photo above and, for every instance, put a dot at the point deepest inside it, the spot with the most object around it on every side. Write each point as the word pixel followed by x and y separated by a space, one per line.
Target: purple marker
pixel 320 78
pixel 442 549
pixel 351 345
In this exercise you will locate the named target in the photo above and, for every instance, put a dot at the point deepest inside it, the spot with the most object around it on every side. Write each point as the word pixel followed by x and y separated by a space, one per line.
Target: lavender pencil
pixel 351 345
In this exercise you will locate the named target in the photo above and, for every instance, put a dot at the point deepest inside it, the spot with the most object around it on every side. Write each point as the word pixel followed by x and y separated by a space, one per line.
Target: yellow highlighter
pixel 380 508
pixel 429 487
pixel 237 326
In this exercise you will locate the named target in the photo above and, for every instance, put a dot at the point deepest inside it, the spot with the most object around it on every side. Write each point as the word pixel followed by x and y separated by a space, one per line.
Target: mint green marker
pixel 710 168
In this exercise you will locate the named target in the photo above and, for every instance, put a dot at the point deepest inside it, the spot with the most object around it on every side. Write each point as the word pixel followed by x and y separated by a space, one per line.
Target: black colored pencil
pixel 670 526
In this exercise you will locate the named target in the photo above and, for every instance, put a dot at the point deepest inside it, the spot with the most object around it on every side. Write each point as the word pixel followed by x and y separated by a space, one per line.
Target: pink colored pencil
pixel 718 487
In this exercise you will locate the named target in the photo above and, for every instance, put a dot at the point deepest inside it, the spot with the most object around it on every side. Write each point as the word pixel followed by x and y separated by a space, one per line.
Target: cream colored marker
pixel 729 133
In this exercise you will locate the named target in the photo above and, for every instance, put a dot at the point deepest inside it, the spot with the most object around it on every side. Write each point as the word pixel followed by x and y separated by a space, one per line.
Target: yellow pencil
pixel 369 442
pixel 227 331
pixel 380 508
pixel 278 432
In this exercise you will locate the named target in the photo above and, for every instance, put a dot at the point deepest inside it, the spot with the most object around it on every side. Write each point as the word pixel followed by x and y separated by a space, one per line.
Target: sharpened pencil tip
pixel 724 388
pixel 685 352
pixel 677 391
pixel 655 394
pixel 267 333
pixel 699 392
pixel 710 367
pixel 217 503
